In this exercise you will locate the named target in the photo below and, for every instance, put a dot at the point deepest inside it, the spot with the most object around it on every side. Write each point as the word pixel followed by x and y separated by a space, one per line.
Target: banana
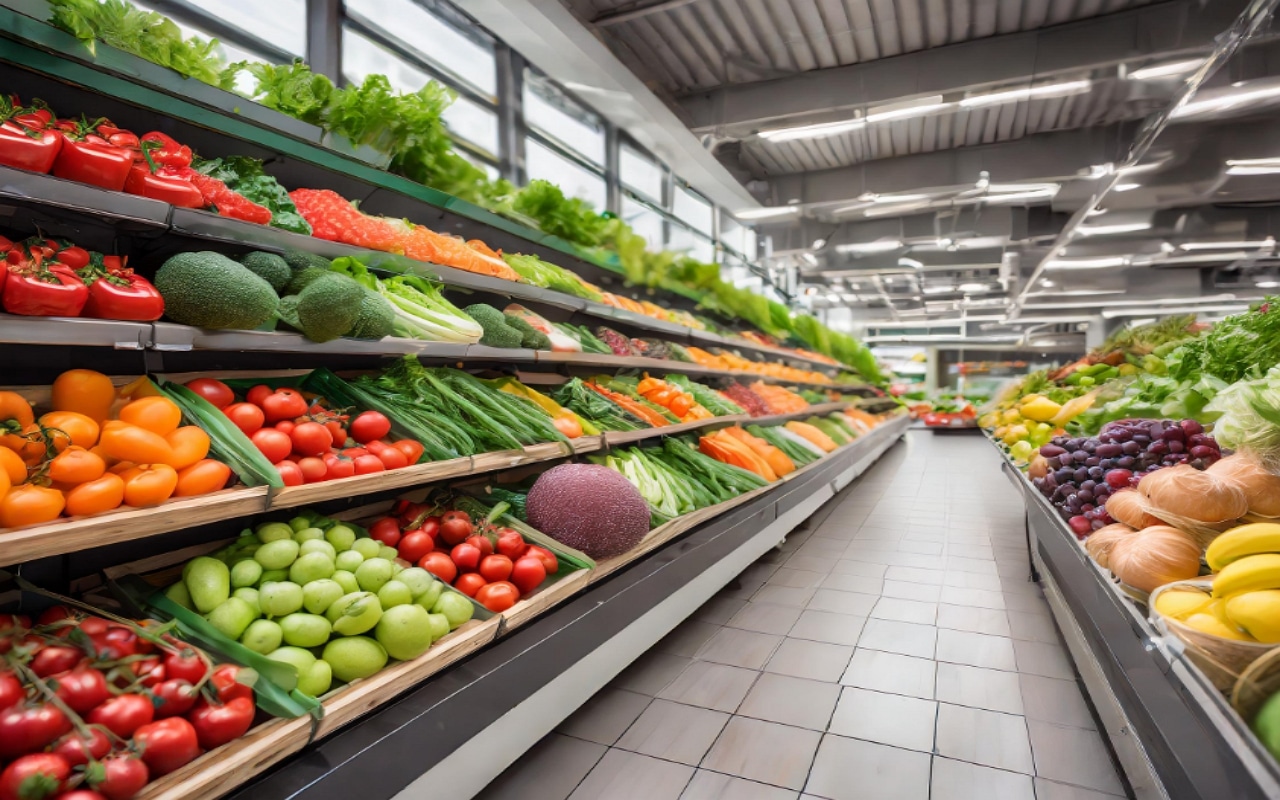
pixel 1249 574
pixel 1258 613
pixel 1208 623
pixel 1245 540
pixel 1182 604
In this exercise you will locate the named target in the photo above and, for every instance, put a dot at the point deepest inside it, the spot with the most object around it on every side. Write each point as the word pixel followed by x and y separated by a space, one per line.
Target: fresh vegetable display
pixel 312 593
pixel 105 706
pixel 88 454
pixel 48 278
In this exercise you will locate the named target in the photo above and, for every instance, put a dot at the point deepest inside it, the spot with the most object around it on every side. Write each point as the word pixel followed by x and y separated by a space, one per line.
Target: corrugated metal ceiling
pixel 707 43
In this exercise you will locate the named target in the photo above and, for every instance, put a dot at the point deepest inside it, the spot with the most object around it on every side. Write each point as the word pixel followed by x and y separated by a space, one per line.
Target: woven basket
pixel 1257 683
pixel 1223 661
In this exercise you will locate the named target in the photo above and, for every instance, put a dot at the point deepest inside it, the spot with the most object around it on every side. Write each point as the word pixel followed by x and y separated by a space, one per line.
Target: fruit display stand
pixel 1174 732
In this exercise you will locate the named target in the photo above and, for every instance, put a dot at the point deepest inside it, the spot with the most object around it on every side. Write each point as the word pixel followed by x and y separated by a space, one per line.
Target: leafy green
pixel 572 219
pixel 145 34
pixel 246 176
pixel 1241 346
pixel 1250 418
pixel 291 89
pixel 550 276
pixel 421 309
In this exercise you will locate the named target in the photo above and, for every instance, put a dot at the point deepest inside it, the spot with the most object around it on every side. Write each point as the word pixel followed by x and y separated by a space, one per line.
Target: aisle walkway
pixel 893 651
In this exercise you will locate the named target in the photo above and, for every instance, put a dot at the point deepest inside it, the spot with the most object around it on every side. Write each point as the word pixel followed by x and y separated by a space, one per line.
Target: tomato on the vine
pixel 439 564
pixel 415 544
pixel 258 394
pixel 123 776
pixel 34 777
pixel 528 573
pixel 10 690
pixel 226 682
pixel 213 391
pixel 30 727
pixel 470 583
pixel 187 665
pixel 311 439
pixel 217 724
pixel 498 597
pixel 123 714
pixel 245 416
pixel 176 697
pixel 77 750
pixel 495 568
pixel 82 689
pixel 168 744
pixel 54 659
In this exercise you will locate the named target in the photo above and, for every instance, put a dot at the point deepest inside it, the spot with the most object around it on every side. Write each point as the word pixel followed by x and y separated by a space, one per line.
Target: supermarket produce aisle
pixel 891 650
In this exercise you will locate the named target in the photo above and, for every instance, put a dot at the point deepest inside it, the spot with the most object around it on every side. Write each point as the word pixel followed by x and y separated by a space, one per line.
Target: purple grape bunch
pixel 1085 471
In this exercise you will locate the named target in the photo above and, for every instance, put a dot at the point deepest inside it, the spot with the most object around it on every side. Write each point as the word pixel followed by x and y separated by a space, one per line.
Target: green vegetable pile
pixel 245 176
pixel 599 410
pixel 1239 347
pixel 1250 418
pixel 537 272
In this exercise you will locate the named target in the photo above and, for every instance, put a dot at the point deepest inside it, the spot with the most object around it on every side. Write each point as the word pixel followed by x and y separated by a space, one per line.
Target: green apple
pixel 316 679
pixel 246 573
pixel 368 548
pixel 311 567
pixel 388 552
pixel 341 537
pixel 231 617
pixel 308 535
pixel 318 546
pixel 346 580
pixel 262 636
pixel 354 613
pixel 433 593
pixel 209 582
pixel 404 631
pixel 250 596
pixel 373 573
pixel 274 575
pixel 305 630
pixel 278 554
pixel 280 598
pixel 274 532
pixel 178 593
pixel 439 625
pixel 354 657
pixel 299 524
pixel 418 580
pixel 394 593
pixel 296 657
pixel 455 607
pixel 317 596
pixel 348 560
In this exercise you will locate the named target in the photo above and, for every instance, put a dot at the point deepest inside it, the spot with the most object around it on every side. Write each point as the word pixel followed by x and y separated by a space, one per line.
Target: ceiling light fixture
pixel 1045 282
pixel 1222 100
pixel 974 287
pixel 1027 93
pixel 812 131
pixel 878 246
pixel 939 289
pixel 1107 230
pixel 1253 166
pixel 910 262
pixel 1267 284
pixel 912 108
pixel 766 212
pixel 1126 187
pixel 1267 242
pixel 1113 313
pixel 1087 263
pixel 898 198
pixel 1169 69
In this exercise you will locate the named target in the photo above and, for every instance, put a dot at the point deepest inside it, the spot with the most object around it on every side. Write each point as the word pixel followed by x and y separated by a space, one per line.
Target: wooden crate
pixel 545 598
pixel 356 485
pixel 623 437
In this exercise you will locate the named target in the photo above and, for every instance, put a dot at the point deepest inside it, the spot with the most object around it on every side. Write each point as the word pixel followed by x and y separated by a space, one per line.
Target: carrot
pixel 813 434
pixel 777 460
pixel 627 404
pixel 746 457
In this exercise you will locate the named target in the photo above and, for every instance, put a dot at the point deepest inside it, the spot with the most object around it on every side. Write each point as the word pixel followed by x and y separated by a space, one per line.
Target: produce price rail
pixel 1174 733
pixel 451 735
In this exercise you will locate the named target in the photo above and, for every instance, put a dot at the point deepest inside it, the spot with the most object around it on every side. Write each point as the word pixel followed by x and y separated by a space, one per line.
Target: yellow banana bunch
pixel 1248 574
pixel 1258 613
pixel 1245 540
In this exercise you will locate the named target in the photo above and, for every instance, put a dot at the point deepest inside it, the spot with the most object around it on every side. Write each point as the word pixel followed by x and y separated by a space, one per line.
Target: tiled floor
pixel 892 651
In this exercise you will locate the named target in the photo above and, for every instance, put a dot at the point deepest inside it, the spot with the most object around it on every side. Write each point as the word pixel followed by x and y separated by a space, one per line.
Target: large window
pixel 280 22
pixel 692 244
pixel 692 210
pixel 467 59
pixel 548 111
pixel 641 174
pixel 474 123
pixel 644 221
pixel 576 180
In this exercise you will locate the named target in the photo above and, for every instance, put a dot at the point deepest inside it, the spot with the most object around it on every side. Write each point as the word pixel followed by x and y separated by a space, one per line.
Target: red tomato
pixel 150 672
pixel 10 690
pixel 511 544
pixel 259 393
pixel 495 568
pixel 82 794
pixel 215 392
pixel 414 545
pixel 221 723
pixel 272 443
pixel 455 529
pixel 439 564
pixel 226 681
pixel 286 426
pixel 54 614
pixel 313 469
pixel 123 714
pixel 482 543
pixel 412 450
pixel 392 458
pixel 498 597
pixel 123 776
pixel 431 527
pixel 290 473
pixel 338 432
pixel 370 425
pixel 386 530
pixel 176 697
pixel 528 573
pixel 467 556
pixel 284 404
pixel 167 745
pixel 82 689
pixel 355 452
pixel 311 439
pixel 470 583
pixel 338 467
pixel 246 416
pixel 54 659
pixel 376 446
pixel 186 665
pixel 368 463
pixel 547 558
pixel 28 728
pixel 77 750
pixel 34 777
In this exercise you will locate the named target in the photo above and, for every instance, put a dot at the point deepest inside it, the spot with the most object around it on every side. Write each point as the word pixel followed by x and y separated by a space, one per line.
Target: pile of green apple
pixel 311 593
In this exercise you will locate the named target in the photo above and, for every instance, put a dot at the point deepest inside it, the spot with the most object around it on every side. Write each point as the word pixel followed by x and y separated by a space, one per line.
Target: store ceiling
pixel 934 149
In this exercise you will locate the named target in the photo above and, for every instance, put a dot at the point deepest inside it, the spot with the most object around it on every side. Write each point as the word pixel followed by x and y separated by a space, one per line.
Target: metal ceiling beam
pixel 616 17
pixel 1033 158
pixel 1178 26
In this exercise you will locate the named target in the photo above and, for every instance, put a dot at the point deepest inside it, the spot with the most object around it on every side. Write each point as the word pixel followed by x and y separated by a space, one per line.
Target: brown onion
pixel 1261 488
pixel 1155 556
pixel 1100 543
pixel 1185 492
pixel 1126 506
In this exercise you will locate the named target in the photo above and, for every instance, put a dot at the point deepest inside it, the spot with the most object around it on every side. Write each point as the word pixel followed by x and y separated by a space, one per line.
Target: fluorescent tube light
pixel 974 287
pixel 1223 100
pixel 897 198
pixel 1267 284
pixel 1167 70
pixel 912 108
pixel 1268 242
pixel 1107 230
pixel 1087 263
pixel 944 289
pixel 767 212
pixel 1113 313
pixel 1126 187
pixel 1028 93
pixel 812 131
pixel 1253 166
pixel 910 262
pixel 878 246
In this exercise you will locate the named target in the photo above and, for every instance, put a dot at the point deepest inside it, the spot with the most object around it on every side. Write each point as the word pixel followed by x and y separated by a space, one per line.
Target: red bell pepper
pixel 165 151
pixel 117 292
pixel 166 184
pixel 25 145
pixel 226 202
pixel 89 158
pixel 36 288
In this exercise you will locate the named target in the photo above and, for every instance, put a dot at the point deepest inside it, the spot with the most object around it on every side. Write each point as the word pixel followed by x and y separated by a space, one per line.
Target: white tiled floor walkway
pixel 893 651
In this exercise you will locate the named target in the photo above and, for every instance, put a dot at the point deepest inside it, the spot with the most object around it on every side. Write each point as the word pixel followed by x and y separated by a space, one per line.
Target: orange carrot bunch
pixel 672 398
pixel 739 448
pixel 779 399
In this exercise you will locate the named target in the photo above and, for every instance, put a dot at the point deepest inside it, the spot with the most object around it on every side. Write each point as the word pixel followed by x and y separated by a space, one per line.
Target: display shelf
pixel 75 332
pixel 625 437
pixel 46 190
pixel 125 524
pixel 816 409
pixel 451 735
pixel 1175 734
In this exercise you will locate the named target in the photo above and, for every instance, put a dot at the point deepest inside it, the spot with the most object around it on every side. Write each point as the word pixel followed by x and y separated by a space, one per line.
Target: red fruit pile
pixel 494 565
pixel 92 708
pixel 307 441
